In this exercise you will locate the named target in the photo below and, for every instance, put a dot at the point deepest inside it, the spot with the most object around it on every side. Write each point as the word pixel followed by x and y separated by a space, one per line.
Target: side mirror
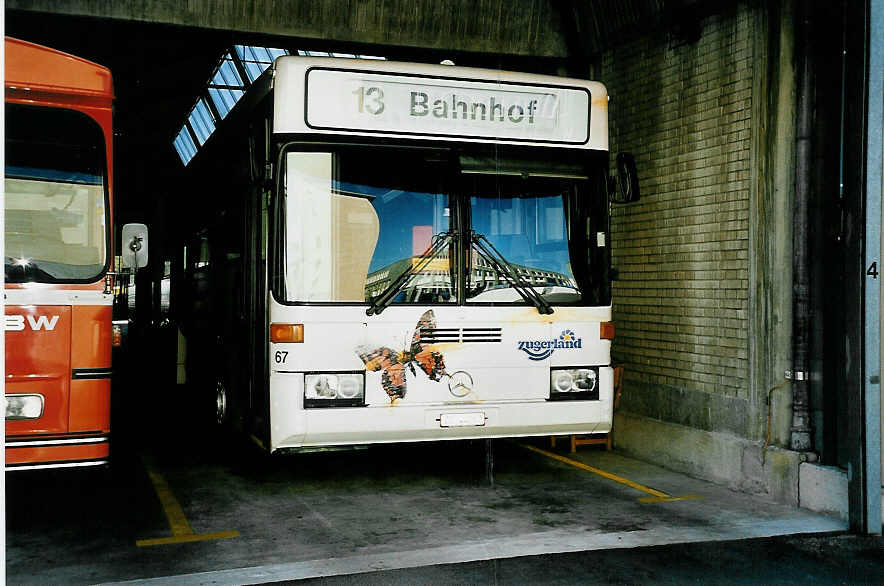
pixel 134 246
pixel 625 189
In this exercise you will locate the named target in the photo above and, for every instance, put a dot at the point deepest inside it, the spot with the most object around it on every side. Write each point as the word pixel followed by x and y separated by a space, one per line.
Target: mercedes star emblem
pixel 460 384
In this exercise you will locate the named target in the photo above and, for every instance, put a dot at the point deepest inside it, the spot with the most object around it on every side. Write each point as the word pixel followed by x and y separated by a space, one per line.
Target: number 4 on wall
pixel 873 270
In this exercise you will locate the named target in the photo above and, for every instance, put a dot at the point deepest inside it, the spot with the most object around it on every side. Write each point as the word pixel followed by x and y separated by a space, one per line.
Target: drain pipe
pixel 800 439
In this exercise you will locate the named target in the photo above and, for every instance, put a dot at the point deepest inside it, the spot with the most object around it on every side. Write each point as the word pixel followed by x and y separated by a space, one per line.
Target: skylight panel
pixel 201 121
pixel 257 59
pixel 224 99
pixel 226 74
pixel 303 53
pixel 226 87
pixel 235 72
pixel 184 145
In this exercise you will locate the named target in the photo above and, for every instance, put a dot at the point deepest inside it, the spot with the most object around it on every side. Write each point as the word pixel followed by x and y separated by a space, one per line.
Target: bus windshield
pixel 54 196
pixel 523 220
pixel 386 223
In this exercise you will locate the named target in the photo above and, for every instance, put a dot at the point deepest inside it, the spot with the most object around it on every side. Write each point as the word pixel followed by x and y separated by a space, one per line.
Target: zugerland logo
pixel 16 323
pixel 543 349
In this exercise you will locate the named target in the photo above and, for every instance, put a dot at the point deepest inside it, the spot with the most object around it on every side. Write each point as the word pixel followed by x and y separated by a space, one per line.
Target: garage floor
pixel 235 515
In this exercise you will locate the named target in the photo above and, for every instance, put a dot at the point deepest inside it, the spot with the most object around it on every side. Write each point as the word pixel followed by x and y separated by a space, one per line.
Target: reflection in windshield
pixel 421 266
pixel 356 220
pixel 359 224
pixel 54 196
pixel 408 222
pixel 524 219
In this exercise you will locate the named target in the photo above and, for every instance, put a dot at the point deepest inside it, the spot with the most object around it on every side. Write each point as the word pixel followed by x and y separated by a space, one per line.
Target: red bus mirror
pixel 134 246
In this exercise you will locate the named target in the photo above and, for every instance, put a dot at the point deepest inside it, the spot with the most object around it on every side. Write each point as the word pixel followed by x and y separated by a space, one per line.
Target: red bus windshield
pixel 55 196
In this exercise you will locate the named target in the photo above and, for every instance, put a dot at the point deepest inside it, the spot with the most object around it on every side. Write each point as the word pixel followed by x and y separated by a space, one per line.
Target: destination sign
pixel 408 104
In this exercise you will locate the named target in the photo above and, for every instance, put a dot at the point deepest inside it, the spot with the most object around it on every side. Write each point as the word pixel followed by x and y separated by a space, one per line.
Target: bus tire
pixel 222 403
pixel 226 406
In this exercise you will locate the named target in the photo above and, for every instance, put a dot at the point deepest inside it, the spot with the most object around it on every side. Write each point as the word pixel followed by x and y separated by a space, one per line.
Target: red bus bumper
pixel 29 453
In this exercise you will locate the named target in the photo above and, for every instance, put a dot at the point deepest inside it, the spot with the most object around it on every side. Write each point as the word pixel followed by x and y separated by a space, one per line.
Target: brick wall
pixel 681 304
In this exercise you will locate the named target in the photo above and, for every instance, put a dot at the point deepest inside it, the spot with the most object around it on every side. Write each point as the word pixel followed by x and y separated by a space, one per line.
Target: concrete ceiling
pixel 162 53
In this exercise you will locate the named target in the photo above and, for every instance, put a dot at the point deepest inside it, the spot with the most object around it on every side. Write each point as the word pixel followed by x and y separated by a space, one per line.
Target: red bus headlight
pixel 24 406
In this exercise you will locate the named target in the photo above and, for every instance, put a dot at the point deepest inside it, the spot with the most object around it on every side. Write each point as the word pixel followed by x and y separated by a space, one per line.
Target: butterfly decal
pixel 392 364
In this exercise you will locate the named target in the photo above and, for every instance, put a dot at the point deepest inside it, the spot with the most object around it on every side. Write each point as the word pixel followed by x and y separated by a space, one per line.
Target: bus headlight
pixel 573 383
pixel 24 406
pixel 334 390
pixel 562 381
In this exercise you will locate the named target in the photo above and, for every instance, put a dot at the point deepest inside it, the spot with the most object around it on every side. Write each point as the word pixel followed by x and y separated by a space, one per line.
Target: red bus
pixel 58 258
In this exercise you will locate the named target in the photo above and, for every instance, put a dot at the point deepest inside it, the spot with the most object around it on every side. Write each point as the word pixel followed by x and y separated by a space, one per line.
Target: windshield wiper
pixel 380 302
pixel 500 264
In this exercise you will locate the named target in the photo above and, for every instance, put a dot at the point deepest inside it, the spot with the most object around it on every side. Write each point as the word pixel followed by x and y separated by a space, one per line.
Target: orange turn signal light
pixel 286 332
pixel 606 330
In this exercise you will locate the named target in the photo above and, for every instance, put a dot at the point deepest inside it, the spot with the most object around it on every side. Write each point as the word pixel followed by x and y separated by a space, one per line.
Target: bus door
pixel 255 272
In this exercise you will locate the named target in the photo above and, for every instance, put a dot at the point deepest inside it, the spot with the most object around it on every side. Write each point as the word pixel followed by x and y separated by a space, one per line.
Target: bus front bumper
pixel 28 453
pixel 400 423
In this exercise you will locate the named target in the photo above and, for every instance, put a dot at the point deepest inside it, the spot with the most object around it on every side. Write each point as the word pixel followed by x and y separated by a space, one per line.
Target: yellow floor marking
pixel 657 496
pixel 258 442
pixel 186 538
pixel 174 512
pixel 658 499
pixel 182 532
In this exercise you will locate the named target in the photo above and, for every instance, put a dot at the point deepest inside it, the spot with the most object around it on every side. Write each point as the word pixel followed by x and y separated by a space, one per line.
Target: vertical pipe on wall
pixel 800 438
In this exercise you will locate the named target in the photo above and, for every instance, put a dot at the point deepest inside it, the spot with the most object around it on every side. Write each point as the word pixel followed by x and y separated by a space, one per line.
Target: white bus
pixel 403 252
